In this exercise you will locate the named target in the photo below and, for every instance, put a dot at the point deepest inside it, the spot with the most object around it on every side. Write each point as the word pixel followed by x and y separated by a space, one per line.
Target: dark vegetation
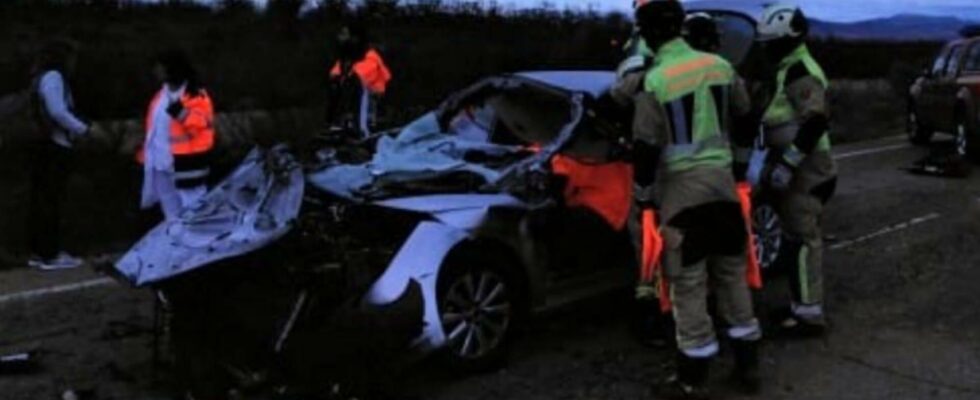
pixel 278 58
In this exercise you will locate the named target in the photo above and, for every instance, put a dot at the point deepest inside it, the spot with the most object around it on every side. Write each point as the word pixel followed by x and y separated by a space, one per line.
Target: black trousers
pixel 49 176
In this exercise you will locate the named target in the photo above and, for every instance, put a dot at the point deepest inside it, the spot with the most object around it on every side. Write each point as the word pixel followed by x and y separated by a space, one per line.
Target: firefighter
pixel 358 79
pixel 702 33
pixel 683 159
pixel 800 169
pixel 650 322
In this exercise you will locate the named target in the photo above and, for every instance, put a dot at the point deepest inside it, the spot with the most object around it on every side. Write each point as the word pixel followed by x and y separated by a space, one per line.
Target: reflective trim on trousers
pixel 807 311
pixel 748 331
pixel 803 275
pixel 705 351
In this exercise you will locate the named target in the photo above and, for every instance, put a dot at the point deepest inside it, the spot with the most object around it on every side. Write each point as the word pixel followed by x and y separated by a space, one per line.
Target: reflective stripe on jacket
pixel 371 70
pixel 781 113
pixel 191 137
pixel 693 89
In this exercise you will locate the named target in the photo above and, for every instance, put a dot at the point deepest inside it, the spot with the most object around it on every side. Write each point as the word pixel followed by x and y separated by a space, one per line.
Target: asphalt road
pixel 901 278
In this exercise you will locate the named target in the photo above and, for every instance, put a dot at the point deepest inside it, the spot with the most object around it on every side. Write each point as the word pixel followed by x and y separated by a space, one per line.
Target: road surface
pixel 901 276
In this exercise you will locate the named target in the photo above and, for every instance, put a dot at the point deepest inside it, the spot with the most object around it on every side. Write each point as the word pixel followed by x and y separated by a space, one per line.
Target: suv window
pixel 953 63
pixel 940 64
pixel 973 58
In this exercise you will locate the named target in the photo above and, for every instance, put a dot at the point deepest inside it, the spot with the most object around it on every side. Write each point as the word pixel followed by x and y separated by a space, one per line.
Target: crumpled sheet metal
pixel 253 207
pixel 419 152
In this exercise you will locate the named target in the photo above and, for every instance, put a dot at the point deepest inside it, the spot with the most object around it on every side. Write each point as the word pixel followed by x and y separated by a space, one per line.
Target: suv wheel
pixel 478 307
pixel 917 133
pixel 768 232
pixel 964 143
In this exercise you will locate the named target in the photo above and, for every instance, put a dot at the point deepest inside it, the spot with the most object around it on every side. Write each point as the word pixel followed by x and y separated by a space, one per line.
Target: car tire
pixel 965 142
pixel 917 133
pixel 768 232
pixel 480 303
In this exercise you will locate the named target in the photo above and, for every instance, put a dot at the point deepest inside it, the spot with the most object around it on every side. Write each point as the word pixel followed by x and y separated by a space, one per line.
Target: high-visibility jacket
pixel 693 89
pixel 371 70
pixel 191 137
pixel 781 111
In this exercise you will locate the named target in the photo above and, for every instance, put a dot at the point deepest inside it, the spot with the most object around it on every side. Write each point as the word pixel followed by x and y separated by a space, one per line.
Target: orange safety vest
pixel 651 270
pixel 371 70
pixel 606 188
pixel 192 135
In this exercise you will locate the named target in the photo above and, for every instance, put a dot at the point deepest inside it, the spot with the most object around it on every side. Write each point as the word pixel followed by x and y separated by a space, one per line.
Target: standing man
pixel 357 80
pixel 800 169
pixel 180 136
pixel 681 150
pixel 53 106
pixel 702 33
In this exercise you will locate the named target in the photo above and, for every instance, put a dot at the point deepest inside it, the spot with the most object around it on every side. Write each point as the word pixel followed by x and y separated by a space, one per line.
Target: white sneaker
pixel 62 261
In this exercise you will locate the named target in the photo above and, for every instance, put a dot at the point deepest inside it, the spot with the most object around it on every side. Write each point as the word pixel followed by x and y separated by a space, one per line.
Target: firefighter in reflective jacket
pixel 179 137
pixel 681 149
pixel 800 168
pixel 702 33
pixel 357 80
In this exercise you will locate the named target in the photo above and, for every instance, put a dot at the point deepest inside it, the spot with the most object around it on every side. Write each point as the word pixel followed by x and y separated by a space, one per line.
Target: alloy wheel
pixel 477 313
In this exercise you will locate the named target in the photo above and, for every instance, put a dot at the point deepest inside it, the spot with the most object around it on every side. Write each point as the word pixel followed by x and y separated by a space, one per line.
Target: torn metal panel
pixel 252 208
pixel 419 260
pixel 421 151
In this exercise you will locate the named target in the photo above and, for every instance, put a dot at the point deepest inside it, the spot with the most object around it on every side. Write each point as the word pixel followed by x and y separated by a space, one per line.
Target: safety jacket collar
pixel 795 56
pixel 672 49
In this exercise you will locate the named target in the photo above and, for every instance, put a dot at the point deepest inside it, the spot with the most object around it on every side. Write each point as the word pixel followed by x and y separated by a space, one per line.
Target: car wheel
pixel 964 143
pixel 917 133
pixel 768 232
pixel 478 305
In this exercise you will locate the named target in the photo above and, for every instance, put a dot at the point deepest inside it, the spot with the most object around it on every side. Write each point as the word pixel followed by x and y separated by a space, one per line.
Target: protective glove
pixel 778 175
pixel 176 109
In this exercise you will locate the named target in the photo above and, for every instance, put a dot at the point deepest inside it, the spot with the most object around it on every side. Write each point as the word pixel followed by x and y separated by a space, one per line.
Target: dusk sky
pixel 833 10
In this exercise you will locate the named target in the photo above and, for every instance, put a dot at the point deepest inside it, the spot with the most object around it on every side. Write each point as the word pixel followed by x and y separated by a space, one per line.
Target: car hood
pixel 254 206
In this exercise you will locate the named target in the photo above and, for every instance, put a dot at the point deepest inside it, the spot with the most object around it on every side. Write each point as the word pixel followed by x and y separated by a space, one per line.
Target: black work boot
pixel 746 373
pixel 650 326
pixel 691 381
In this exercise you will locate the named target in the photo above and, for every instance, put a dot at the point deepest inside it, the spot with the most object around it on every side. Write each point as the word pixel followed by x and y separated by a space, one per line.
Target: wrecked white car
pixel 508 200
pixel 443 235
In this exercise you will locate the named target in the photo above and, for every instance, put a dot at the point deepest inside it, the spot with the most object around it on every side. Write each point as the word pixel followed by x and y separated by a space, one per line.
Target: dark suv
pixel 946 98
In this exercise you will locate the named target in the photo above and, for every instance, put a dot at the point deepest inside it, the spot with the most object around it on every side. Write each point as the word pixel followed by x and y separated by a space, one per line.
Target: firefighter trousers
pixel 801 214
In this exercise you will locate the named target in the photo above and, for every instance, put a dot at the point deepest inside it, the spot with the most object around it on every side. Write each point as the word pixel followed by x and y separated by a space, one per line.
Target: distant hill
pixel 935 22
pixel 903 27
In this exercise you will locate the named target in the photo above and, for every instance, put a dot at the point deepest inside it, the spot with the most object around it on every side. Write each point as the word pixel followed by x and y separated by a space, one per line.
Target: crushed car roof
pixel 594 83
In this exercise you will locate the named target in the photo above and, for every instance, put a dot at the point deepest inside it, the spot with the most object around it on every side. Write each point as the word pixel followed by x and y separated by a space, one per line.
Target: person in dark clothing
pixel 53 108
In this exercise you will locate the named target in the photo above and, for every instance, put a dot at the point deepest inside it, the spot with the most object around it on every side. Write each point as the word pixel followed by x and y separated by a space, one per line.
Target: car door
pixel 946 88
pixel 928 96
pixel 939 90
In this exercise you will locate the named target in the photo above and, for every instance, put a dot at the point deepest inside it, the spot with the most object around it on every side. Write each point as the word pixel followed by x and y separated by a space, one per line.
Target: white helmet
pixel 781 20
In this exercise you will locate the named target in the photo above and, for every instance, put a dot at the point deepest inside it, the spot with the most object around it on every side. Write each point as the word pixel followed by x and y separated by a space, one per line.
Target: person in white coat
pixel 179 138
